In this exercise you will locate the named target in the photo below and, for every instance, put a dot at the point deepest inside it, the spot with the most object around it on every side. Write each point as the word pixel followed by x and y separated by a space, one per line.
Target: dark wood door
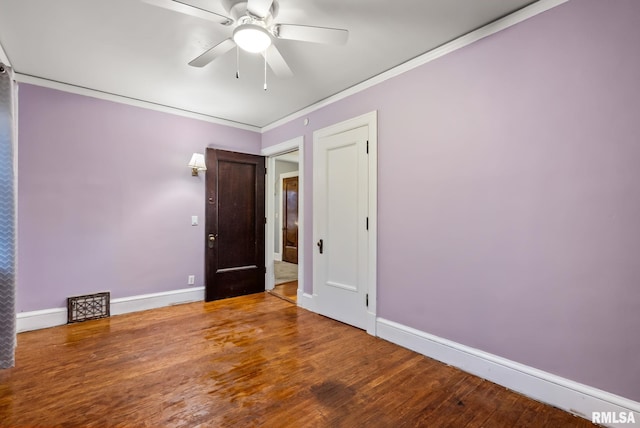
pixel 290 220
pixel 235 222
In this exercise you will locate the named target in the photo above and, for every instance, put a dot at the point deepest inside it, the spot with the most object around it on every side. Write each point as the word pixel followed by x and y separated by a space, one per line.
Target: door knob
pixel 212 238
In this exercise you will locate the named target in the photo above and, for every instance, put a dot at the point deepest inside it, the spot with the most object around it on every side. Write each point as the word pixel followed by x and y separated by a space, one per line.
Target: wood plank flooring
pixel 248 361
pixel 287 291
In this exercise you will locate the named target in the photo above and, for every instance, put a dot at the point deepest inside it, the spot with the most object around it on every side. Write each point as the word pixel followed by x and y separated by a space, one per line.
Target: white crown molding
pixel 39 81
pixel 568 395
pixel 469 38
pixel 35 320
pixel 462 41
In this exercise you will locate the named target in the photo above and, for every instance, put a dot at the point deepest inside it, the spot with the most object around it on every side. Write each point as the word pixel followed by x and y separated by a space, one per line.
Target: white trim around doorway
pixel 271 153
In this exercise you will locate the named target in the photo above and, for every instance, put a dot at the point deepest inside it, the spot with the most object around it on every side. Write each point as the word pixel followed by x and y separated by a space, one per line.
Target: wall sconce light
pixel 197 164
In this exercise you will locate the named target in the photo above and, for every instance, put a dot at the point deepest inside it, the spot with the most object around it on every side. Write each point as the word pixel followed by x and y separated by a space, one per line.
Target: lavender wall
pixel 105 198
pixel 516 230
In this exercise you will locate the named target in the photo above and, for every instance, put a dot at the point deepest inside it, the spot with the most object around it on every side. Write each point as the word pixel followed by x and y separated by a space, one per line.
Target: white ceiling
pixel 132 49
pixel 292 157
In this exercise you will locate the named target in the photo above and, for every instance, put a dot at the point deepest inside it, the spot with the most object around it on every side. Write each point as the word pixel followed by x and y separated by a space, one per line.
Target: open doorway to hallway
pixel 284 178
pixel 286 281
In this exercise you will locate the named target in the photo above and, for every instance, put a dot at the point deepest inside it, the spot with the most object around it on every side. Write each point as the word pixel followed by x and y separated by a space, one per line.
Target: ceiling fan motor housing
pixel 237 9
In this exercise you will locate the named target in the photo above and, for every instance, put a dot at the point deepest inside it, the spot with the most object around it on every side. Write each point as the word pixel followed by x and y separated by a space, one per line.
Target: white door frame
pixel 271 152
pixel 371 121
pixel 281 202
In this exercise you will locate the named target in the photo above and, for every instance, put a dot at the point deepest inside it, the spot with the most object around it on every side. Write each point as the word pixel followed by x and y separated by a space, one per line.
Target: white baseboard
pixel 372 323
pixel 565 394
pixel 35 320
pixel 277 257
pixel 306 301
pixel 143 302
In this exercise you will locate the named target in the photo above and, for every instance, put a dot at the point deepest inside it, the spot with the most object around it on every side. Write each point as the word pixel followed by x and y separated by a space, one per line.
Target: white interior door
pixel 340 200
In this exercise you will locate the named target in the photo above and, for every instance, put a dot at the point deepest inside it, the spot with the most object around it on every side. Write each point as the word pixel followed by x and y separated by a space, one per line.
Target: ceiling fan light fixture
pixel 252 38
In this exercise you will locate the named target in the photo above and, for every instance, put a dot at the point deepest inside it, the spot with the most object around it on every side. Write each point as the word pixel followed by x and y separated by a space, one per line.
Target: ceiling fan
pixel 254 30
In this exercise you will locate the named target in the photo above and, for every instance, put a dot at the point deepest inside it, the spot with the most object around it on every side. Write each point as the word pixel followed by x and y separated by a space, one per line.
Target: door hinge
pixel 265 270
pixel 367 146
pixel 265 220
pixel 367 300
pixel 367 223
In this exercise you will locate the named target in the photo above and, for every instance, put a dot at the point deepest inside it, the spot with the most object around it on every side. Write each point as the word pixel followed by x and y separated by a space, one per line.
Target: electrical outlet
pixel 191 280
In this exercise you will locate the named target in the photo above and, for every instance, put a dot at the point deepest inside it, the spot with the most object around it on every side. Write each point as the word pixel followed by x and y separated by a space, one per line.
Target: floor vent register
pixel 88 307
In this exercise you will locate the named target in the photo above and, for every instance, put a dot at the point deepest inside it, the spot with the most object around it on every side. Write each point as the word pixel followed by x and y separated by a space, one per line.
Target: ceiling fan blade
pixel 213 53
pixel 276 62
pixel 187 9
pixel 305 33
pixel 259 8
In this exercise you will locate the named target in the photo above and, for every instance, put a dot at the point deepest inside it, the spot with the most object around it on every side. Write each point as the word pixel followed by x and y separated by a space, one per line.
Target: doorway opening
pixel 285 234
pixel 285 251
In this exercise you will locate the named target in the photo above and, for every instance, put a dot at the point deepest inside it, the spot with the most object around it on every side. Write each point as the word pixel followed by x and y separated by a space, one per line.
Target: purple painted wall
pixel 516 231
pixel 105 198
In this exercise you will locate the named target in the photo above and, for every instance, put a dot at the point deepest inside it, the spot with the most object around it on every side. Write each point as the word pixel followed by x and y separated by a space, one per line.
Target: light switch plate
pixel 194 220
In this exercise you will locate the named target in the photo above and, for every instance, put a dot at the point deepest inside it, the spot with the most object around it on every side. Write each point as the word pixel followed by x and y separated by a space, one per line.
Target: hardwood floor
pixel 287 291
pixel 248 361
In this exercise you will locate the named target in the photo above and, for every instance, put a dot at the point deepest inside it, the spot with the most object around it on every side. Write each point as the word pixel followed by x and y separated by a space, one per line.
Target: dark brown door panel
pixel 290 220
pixel 235 224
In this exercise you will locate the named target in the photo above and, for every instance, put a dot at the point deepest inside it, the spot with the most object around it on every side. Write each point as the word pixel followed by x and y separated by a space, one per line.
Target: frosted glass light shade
pixel 252 38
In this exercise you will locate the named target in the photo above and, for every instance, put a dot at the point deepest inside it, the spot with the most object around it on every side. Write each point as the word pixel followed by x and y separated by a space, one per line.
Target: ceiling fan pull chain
pixel 265 70
pixel 237 62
